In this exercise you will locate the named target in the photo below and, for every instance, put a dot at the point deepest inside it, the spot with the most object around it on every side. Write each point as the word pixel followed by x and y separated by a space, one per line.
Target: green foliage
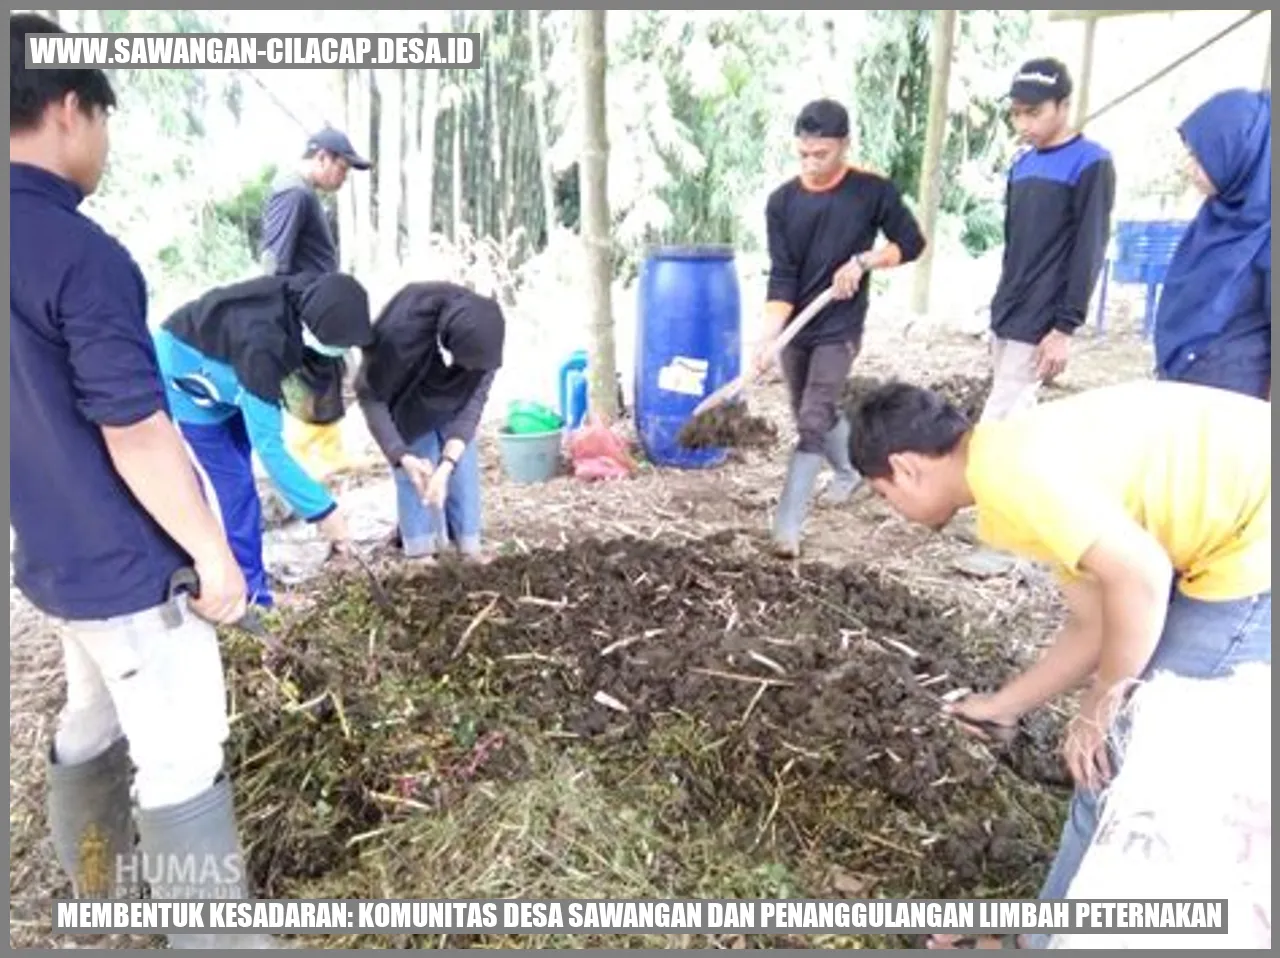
pixel 243 210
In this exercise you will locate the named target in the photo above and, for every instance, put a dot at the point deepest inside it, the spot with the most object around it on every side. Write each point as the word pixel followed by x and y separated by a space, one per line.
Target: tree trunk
pixel 347 228
pixel 458 118
pixel 390 151
pixel 422 214
pixel 540 124
pixel 594 175
pixel 359 93
pixel 944 32
pixel 498 187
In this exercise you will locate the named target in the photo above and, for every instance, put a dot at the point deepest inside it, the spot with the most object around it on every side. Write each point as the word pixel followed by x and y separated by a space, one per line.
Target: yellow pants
pixel 318 449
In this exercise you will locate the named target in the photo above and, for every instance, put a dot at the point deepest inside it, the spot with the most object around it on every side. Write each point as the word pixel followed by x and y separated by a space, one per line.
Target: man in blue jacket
pixel 106 507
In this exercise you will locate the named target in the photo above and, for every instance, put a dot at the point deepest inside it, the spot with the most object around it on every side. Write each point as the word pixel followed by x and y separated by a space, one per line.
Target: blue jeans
pixel 422 530
pixel 227 456
pixel 1200 640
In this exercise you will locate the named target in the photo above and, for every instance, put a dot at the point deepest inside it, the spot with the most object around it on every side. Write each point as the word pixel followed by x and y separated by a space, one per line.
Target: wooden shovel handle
pixel 790 332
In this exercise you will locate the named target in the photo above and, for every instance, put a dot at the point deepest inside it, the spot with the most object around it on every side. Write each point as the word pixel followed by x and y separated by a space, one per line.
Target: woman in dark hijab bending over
pixel 423 386
pixel 233 361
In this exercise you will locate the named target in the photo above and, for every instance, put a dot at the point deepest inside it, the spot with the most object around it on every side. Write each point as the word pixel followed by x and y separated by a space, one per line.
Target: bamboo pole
pixel 1086 73
pixel 944 31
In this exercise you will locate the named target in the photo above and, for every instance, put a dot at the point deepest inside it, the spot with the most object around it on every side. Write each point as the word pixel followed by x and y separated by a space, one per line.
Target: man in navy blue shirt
pixel 296 238
pixel 107 505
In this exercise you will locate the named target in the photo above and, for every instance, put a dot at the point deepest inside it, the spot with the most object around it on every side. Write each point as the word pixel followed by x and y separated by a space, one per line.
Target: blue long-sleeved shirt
pixel 204 391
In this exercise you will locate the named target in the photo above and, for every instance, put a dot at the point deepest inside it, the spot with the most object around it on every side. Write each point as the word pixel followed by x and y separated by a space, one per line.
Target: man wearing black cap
pixel 296 238
pixel 295 230
pixel 821 228
pixel 1057 222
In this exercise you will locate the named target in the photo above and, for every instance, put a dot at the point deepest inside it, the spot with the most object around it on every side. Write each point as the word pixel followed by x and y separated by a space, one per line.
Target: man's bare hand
pixel 1085 750
pixel 222 598
pixel 762 359
pixel 847 279
pixel 984 716
pixel 1051 355
pixel 419 472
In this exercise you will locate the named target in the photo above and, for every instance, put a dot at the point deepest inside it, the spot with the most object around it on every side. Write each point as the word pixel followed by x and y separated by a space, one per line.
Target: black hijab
pixel 406 367
pixel 256 327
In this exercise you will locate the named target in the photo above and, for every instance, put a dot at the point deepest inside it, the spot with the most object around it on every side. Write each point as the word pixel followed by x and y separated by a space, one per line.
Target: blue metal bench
pixel 1142 251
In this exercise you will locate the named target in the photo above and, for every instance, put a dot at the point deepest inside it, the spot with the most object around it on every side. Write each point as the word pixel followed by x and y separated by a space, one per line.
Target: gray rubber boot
pixel 91 818
pixel 835 445
pixel 193 850
pixel 802 475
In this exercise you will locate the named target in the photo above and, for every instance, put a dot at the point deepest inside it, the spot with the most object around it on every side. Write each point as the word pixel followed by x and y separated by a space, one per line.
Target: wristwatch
pixel 861 260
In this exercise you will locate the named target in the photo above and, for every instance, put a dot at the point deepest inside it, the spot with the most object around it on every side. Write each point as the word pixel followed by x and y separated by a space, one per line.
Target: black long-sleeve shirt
pixel 1057 224
pixel 296 237
pixel 813 233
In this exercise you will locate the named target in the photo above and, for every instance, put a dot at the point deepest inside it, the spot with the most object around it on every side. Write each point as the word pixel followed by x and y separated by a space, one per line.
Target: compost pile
pixel 628 719
pixel 966 393
pixel 729 426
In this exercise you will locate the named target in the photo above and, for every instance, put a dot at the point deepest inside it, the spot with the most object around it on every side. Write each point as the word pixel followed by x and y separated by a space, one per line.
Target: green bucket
pixel 530 457
pixel 525 418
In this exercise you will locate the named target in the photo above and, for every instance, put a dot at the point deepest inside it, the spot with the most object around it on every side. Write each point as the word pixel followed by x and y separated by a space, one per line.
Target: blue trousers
pixel 1200 640
pixel 227 456
pixel 424 530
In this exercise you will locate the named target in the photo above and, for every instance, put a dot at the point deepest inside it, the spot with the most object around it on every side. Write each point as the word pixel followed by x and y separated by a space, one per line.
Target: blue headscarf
pixel 1230 136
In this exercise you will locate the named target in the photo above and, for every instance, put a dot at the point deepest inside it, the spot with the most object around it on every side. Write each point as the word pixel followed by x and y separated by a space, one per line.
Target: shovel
pixel 737 385
pixel 187 581
pixel 380 595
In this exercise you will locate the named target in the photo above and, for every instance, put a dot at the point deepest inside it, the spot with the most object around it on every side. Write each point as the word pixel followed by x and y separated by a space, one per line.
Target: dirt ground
pixel 682 551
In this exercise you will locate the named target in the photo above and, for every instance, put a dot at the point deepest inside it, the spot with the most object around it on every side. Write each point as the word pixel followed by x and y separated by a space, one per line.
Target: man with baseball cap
pixel 822 228
pixel 297 238
pixel 1058 200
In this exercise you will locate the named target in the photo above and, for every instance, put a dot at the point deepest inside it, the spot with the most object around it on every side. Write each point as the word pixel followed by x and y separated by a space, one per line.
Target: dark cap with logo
pixel 1039 80
pixel 336 142
pixel 825 119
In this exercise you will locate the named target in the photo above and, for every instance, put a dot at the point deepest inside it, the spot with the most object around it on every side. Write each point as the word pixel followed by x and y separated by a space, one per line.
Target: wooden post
pixel 944 31
pixel 593 177
pixel 1086 73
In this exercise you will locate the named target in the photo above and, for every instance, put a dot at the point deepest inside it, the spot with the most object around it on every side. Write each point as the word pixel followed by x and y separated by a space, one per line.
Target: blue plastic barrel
pixel 688 345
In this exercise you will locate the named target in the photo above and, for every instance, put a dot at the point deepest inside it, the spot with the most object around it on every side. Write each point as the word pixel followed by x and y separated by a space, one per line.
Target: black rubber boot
pixel 845 481
pixel 192 851
pixel 802 475
pixel 91 818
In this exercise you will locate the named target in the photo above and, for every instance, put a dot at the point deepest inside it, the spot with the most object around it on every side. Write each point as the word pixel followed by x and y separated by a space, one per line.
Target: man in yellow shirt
pixel 1152 502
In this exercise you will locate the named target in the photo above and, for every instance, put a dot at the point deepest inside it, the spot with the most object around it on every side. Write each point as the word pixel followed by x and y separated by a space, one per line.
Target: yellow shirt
pixel 1190 464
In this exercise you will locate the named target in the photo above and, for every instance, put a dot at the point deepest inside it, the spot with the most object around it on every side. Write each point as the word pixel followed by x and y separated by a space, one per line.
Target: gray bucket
pixel 530 457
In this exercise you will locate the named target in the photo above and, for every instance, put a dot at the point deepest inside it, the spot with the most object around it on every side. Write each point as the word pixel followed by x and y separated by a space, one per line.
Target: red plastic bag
pixel 598 452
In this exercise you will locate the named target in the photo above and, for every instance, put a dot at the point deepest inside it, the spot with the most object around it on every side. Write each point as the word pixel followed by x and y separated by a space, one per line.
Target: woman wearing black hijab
pixel 232 361
pixel 423 386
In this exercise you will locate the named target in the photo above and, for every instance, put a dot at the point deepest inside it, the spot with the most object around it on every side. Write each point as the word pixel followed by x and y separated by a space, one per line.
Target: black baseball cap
pixel 823 118
pixel 336 142
pixel 1039 80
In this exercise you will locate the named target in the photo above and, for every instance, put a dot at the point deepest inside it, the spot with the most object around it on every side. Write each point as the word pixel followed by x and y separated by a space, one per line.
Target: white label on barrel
pixel 684 375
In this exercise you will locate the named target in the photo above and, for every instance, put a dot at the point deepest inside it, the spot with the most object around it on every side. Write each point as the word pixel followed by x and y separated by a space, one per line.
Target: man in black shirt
pixel 822 226
pixel 1057 223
